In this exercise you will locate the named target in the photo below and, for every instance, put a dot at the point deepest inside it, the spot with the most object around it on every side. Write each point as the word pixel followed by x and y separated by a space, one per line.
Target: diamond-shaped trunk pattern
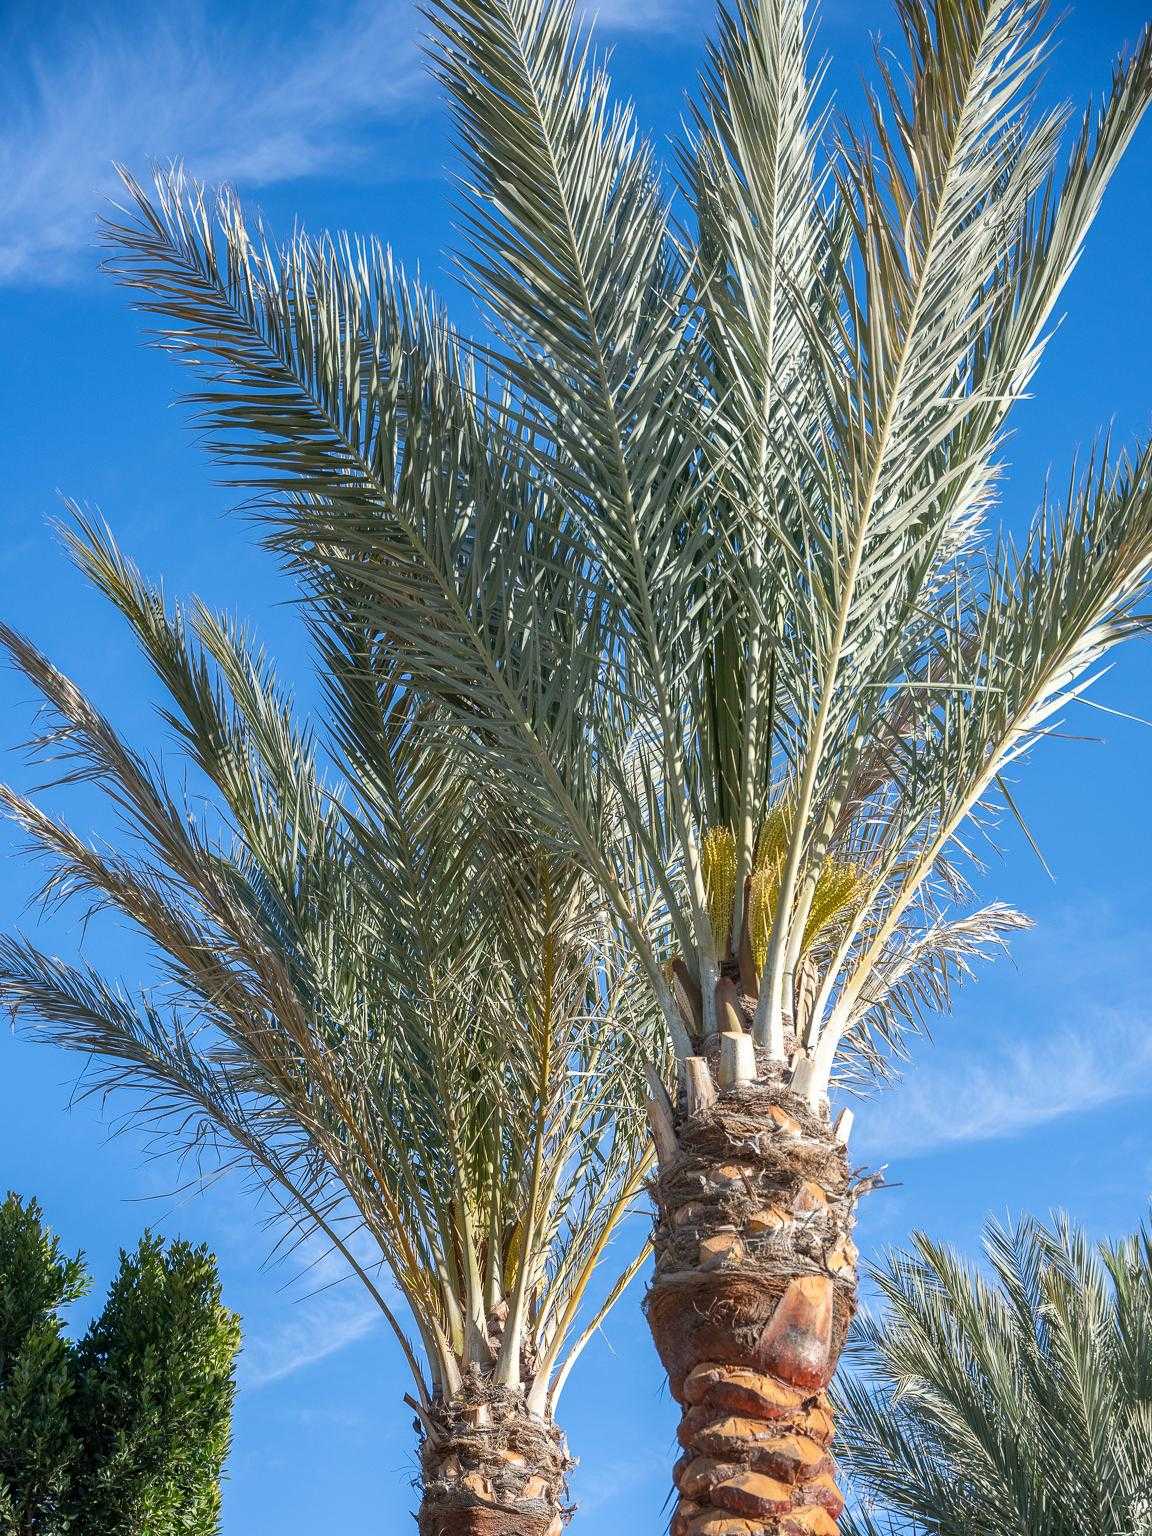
pixel 754 1288
pixel 491 1469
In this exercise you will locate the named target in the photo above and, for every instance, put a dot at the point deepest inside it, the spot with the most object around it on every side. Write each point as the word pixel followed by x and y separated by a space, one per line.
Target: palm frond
pixel 385 996
pixel 343 400
pixel 700 551
pixel 1009 1402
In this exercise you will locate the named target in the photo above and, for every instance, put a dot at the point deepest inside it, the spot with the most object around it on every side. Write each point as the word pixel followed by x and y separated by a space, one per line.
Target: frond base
pixel 491 1468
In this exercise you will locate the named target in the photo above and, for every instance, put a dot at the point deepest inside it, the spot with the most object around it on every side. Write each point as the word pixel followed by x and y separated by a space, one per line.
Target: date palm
pixel 1018 1400
pixel 378 996
pixel 697 532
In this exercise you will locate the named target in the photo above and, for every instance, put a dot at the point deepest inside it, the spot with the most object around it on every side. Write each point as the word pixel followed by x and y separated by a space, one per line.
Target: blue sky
pixel 1037 1091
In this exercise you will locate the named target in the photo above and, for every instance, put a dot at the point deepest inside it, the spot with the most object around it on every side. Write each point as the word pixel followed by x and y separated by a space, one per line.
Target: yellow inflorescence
pixel 839 888
pixel 762 890
pixel 775 835
pixel 718 866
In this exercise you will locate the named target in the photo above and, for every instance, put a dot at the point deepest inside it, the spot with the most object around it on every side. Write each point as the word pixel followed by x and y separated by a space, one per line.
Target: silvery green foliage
pixel 1016 1397
pixel 374 987
pixel 700 525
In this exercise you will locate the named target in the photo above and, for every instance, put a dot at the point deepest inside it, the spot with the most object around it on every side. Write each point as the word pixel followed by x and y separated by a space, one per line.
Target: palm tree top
pixel 694 547
pixel 376 990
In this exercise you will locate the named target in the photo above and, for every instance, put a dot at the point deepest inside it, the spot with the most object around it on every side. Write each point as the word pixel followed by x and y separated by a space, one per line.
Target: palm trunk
pixel 491 1468
pixel 754 1288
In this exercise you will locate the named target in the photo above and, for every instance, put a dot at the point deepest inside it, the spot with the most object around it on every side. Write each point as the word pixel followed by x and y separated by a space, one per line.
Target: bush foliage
pixel 125 1431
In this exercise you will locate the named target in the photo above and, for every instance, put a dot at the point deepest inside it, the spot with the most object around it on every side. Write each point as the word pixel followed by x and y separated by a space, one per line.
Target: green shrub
pixel 38 1449
pixel 124 1433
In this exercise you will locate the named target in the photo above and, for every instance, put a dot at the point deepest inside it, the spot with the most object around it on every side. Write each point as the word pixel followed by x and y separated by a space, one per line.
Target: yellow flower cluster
pixel 839 885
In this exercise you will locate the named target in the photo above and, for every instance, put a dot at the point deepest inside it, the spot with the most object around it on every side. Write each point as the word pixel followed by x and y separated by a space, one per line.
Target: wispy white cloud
pixel 243 97
pixel 239 93
pixel 314 1330
pixel 1068 1031
pixel 988 1095
pixel 333 1312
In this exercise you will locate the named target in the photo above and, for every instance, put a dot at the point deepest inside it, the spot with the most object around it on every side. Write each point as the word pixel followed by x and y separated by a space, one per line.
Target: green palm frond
pixel 342 399
pixel 577 266
pixel 913 982
pixel 701 550
pixel 941 197
pixel 377 988
pixel 1008 1401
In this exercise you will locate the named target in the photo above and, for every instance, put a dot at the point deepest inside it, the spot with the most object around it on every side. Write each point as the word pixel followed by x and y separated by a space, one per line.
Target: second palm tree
pixel 381 999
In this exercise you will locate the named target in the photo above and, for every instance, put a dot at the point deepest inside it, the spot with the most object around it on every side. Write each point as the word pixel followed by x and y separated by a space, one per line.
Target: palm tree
pixel 379 997
pixel 697 531
pixel 1017 1401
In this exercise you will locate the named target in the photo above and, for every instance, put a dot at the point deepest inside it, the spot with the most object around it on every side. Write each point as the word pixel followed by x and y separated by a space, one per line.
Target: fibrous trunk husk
pixel 754 1288
pixel 491 1468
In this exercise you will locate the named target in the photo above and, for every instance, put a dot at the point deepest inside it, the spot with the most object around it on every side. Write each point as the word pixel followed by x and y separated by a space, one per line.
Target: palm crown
pixel 1013 1399
pixel 376 994
pixel 699 534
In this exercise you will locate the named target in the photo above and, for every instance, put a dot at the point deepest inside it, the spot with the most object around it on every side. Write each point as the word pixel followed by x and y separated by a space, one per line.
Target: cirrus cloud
pixel 1008 1091
pixel 239 93
pixel 234 98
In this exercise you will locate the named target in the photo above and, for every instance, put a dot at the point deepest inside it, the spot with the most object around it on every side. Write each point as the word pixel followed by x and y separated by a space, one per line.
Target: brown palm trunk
pixel 754 1288
pixel 490 1468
